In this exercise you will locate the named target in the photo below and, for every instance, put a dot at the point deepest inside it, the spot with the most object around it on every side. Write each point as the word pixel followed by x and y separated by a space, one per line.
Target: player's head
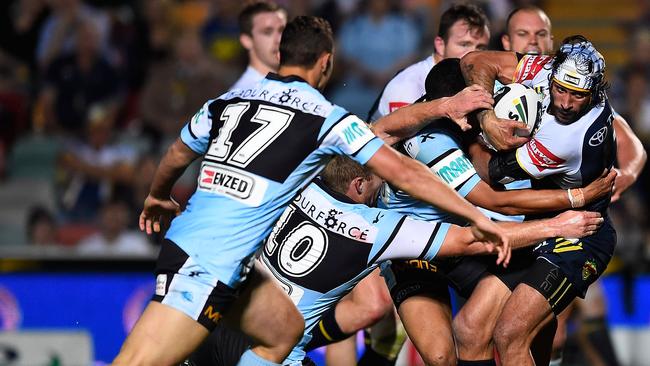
pixel 307 42
pixel 356 181
pixel 577 80
pixel 260 28
pixel 445 80
pixel 463 28
pixel 528 30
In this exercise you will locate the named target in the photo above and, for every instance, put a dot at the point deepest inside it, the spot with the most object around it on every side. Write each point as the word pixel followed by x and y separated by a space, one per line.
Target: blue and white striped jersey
pixel 260 146
pixel 324 244
pixel 439 148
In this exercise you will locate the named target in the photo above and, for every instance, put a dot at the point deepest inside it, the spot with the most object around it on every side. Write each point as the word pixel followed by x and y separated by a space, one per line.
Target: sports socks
pixel 477 363
pixel 249 358
pixel 371 358
pixel 327 331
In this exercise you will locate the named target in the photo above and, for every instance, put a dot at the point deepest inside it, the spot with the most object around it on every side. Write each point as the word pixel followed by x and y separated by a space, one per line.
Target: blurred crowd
pixel 92 92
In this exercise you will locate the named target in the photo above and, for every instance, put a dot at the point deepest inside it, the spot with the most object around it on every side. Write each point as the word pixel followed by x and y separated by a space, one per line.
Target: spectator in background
pixel 114 236
pixel 220 33
pixel 78 80
pixel 41 227
pixel 260 28
pixel 58 34
pixel 374 45
pixel 175 89
pixel 95 168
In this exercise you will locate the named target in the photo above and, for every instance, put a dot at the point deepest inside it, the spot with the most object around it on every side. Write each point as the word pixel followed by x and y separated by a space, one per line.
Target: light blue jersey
pixel 324 244
pixel 260 146
pixel 439 149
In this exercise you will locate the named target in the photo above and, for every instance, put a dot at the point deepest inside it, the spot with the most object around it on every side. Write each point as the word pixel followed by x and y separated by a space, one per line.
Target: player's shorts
pixel 186 286
pixel 581 260
pixel 520 263
pixel 416 277
pixel 406 278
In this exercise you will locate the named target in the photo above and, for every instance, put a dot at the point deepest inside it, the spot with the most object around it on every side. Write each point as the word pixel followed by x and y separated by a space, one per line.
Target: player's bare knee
pixel 436 356
pixel 377 310
pixel 468 332
pixel 505 335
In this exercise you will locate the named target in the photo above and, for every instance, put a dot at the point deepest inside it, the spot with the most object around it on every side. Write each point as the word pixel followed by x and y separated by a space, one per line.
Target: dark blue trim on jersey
pixel 338 196
pixel 285 79
pixel 189 129
pixel 440 157
pixel 430 242
pixel 389 240
pixel 462 184
pixel 366 144
pixel 320 140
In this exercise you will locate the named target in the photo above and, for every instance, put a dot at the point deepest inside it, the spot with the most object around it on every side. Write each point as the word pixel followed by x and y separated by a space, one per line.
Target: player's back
pixel 260 146
pixel 324 243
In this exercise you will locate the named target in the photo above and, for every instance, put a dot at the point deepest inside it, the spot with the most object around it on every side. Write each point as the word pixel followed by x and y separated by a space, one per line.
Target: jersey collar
pixel 285 79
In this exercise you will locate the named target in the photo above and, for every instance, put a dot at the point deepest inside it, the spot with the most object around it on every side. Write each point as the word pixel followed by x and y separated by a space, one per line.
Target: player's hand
pixel 621 184
pixel 466 101
pixel 578 224
pixel 491 234
pixel 501 133
pixel 601 186
pixel 157 211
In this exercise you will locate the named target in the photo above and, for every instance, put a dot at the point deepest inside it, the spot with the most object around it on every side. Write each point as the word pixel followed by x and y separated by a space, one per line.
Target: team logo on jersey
pixel 530 66
pixel 541 157
pixel 589 269
pixel 598 137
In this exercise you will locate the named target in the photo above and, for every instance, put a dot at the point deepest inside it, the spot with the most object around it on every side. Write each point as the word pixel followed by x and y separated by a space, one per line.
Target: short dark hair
pixel 251 9
pixel 341 170
pixel 304 40
pixel 472 14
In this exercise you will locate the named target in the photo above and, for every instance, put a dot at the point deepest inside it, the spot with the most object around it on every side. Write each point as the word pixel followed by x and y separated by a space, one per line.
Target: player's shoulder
pixel 432 142
pixel 532 66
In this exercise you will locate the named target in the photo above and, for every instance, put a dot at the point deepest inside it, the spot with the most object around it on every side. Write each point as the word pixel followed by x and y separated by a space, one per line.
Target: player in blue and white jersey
pixel 330 237
pixel 259 147
pixel 575 142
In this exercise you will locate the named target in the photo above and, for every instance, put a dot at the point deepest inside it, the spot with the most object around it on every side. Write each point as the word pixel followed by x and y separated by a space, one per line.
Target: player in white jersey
pixel 259 147
pixel 260 28
pixel 574 143
pixel 528 31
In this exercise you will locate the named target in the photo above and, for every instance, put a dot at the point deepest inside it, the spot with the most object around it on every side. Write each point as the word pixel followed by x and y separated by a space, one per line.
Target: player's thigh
pixel 265 312
pixel 427 320
pixel 162 336
pixel 481 311
pixel 372 292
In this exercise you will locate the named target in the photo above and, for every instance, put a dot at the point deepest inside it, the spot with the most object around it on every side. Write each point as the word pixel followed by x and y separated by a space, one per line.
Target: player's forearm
pixel 171 167
pixel 630 154
pixel 527 201
pixel 417 180
pixel 407 121
pixel 530 232
pixel 484 67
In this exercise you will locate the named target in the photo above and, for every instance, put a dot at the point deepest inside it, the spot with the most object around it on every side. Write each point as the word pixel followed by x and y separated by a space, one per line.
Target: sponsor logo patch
pixel 571 79
pixel 529 67
pixel 220 179
pixel 598 137
pixel 393 106
pixel 161 284
pixel 541 157
pixel 454 169
pixel 354 133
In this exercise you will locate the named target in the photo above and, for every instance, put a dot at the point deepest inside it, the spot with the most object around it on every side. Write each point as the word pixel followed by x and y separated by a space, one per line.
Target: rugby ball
pixel 519 103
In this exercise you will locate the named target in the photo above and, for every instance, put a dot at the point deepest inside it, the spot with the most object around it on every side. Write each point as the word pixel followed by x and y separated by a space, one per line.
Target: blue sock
pixel 249 358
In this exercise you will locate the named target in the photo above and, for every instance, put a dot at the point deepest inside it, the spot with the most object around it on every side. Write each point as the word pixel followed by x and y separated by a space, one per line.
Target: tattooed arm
pixel 483 68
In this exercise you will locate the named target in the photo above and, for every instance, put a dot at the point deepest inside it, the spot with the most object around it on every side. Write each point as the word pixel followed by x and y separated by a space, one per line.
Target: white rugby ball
pixel 519 103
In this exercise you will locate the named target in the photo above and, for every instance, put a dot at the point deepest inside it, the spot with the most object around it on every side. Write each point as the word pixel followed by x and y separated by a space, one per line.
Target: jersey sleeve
pixel 443 156
pixel 538 160
pixel 530 68
pixel 196 133
pixel 393 97
pixel 403 237
pixel 346 134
